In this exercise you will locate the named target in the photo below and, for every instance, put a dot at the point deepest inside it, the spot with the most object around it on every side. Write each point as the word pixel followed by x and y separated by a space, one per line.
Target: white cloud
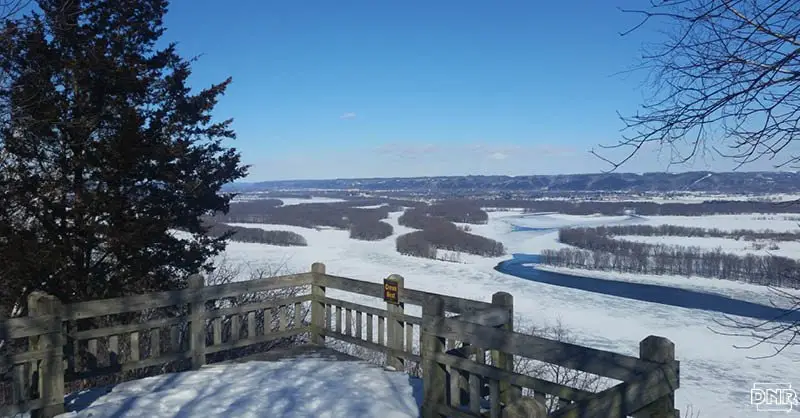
pixel 348 116
pixel 498 156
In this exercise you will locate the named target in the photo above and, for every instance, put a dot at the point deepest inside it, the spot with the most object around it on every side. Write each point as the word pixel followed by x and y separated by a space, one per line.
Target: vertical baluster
pixel 251 324
pixel 283 317
pixel 113 350
pixel 298 315
pixel 236 327
pixel 494 399
pixel 381 330
pixel 409 337
pixel 339 319
pixel 216 325
pixel 348 325
pixel 359 326
pixel 155 342
pixel 134 339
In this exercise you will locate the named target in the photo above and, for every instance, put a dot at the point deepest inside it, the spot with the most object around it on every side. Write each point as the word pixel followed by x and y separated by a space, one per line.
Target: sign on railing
pixel 390 290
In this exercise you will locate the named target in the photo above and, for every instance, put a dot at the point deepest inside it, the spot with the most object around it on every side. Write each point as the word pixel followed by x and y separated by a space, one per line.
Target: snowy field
pixel 777 222
pixel 715 377
pixel 299 388
pixel 290 201
pixel 287 201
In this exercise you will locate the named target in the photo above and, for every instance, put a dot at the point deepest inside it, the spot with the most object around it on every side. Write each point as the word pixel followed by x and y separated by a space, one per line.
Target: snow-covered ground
pixel 297 388
pixel 287 201
pixel 777 222
pixel 370 206
pixel 715 377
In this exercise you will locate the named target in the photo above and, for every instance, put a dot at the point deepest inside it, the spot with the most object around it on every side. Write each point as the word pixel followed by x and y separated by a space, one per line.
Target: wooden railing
pixel 466 348
pixel 646 388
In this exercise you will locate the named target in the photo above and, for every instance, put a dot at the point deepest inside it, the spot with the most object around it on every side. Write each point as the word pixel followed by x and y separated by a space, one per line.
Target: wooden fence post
pixel 525 408
pixel 317 307
pixel 434 378
pixel 658 350
pixel 50 382
pixel 197 327
pixel 508 393
pixel 394 331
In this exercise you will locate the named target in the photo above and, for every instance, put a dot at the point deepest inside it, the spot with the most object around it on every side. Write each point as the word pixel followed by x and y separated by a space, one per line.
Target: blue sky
pixel 325 89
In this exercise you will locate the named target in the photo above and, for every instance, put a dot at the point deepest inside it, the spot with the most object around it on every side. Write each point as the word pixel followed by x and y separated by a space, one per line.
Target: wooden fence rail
pixel 466 349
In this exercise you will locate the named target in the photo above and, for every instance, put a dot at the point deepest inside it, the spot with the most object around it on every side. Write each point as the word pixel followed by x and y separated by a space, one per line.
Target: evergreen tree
pixel 104 148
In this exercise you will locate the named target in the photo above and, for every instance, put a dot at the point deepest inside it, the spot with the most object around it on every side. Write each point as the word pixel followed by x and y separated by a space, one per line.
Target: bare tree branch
pixel 726 79
pixel 9 8
pixel 779 333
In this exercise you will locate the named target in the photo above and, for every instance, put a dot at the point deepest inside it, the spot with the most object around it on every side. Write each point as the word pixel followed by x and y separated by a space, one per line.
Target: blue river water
pixel 664 295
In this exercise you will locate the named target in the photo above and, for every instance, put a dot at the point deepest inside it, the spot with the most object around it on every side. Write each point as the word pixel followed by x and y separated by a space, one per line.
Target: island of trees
pixel 255 235
pixel 598 249
pixel 438 236
pixel 363 223
pixel 437 231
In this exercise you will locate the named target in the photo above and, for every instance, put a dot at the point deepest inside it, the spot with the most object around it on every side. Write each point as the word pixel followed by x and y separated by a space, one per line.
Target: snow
pixel 290 201
pixel 296 388
pixel 287 201
pixel 370 206
pixel 715 376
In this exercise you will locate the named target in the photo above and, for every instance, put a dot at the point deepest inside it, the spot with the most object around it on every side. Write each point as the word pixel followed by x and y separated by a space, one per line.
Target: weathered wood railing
pixel 647 383
pixel 195 325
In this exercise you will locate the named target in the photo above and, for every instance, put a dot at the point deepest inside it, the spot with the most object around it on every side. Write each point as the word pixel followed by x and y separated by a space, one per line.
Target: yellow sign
pixel 390 289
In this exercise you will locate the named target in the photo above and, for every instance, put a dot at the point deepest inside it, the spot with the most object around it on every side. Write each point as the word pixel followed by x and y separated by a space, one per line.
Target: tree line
pixel 363 223
pixel 462 211
pixel 598 252
pixel 445 212
pixel 686 231
pixel 437 232
pixel 256 235
pixel 427 242
pixel 574 207
pixel 371 230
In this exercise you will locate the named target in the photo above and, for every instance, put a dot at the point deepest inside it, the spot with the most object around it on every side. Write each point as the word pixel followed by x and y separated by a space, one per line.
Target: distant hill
pixel 699 181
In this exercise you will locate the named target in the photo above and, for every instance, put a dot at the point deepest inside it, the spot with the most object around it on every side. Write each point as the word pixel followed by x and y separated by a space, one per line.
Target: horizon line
pixel 518 176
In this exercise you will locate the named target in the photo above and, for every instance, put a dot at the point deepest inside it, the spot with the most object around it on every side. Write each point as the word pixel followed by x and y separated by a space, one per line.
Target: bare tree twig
pixel 9 8
pixel 726 80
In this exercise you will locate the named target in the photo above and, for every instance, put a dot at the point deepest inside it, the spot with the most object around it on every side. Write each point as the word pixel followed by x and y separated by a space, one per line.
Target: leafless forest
pixel 596 249
pixel 712 207
pixel 258 235
pixel 688 231
pixel 438 232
